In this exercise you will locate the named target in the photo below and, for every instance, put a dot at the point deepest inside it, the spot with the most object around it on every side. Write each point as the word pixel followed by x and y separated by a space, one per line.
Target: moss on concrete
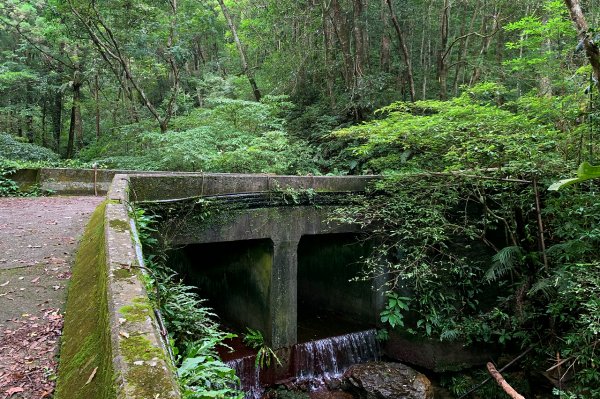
pixel 138 312
pixel 86 340
pixel 118 225
pixel 123 273
pixel 136 348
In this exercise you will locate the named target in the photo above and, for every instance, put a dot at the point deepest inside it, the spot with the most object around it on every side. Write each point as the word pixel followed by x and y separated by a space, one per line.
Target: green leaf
pixel 586 171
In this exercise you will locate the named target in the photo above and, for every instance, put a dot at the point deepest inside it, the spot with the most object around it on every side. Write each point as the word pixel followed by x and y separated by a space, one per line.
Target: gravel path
pixel 38 239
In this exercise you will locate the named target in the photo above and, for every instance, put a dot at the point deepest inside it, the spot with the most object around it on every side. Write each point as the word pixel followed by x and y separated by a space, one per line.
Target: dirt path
pixel 38 239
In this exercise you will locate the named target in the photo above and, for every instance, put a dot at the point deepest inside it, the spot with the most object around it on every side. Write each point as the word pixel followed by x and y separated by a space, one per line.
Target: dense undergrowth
pixel 194 333
pixel 470 234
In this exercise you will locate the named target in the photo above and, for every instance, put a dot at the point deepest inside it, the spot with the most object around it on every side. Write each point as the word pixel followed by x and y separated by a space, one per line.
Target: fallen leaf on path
pixel 91 377
pixel 11 391
pixel 5 284
pixel 35 280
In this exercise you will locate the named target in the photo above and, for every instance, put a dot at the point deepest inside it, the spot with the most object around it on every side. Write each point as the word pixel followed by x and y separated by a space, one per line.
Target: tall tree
pixel 246 68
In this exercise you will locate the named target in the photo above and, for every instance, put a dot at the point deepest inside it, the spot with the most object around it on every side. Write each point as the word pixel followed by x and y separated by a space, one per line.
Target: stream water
pixel 314 364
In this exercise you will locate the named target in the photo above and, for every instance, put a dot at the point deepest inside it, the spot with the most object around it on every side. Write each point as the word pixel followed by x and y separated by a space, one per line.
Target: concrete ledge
pixel 141 365
pixel 173 186
pixel 433 354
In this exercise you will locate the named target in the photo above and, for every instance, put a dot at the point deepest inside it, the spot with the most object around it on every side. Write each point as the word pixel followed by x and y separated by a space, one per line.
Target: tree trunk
pixel 44 112
pixel 340 26
pixel 385 53
pixel 327 46
pixel 459 77
pixel 360 56
pixel 97 100
pixel 75 127
pixel 404 48
pixel 57 120
pixel 247 71
pixel 442 63
pixel 585 36
pixel 486 41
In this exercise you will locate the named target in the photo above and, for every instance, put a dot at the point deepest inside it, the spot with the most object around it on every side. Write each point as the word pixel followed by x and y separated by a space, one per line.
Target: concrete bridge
pixel 116 341
pixel 271 225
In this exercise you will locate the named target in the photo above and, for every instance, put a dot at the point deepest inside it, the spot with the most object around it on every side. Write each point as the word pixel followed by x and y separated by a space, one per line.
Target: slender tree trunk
pixel 97 101
pixel 327 47
pixel 459 77
pixel 385 52
pixel 583 32
pixel 57 120
pixel 340 26
pixel 360 56
pixel 442 63
pixel 486 41
pixel 404 48
pixel 247 71
pixel 75 127
pixel 44 112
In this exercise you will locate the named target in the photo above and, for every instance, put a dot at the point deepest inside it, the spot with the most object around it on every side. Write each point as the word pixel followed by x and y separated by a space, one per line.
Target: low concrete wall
pixel 180 186
pixel 172 185
pixel 66 181
pixel 137 364
pixel 142 366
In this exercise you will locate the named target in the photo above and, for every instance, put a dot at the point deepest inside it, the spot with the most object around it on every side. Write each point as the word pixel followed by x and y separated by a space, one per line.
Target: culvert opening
pixel 234 277
pixel 329 303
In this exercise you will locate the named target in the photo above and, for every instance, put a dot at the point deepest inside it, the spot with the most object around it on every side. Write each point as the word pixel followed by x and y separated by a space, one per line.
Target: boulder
pixel 380 380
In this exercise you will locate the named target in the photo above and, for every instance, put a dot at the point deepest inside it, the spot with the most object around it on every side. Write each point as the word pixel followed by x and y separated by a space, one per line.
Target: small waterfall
pixel 314 362
pixel 249 376
pixel 327 359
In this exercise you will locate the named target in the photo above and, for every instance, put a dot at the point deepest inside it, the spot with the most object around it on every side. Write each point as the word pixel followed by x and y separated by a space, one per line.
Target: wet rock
pixel 379 380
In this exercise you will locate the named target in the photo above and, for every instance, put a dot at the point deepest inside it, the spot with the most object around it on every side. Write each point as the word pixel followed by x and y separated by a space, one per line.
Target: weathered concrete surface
pixel 170 185
pixel 433 354
pixel 173 186
pixel 140 360
pixel 38 239
pixel 284 227
pixel 281 224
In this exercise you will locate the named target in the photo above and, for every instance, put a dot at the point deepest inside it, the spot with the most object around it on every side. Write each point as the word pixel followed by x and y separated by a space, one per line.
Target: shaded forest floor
pixel 38 240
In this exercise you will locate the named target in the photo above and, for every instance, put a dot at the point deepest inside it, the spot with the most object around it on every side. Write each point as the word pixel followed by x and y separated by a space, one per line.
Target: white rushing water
pixel 314 362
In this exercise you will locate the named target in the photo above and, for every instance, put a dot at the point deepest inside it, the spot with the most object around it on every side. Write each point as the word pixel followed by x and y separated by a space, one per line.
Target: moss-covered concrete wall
pixel 111 345
pixel 86 347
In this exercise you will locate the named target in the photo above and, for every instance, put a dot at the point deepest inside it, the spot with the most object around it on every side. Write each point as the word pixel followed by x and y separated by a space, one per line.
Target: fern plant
pixel 265 354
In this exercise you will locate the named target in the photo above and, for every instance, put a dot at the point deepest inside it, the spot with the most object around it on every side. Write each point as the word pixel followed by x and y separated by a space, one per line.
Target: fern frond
pixel 504 261
pixel 545 286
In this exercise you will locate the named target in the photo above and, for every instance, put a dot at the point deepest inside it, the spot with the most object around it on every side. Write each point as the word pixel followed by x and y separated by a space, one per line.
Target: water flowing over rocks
pixel 380 380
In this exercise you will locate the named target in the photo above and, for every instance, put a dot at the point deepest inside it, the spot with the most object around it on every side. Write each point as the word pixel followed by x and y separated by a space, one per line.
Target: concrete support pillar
pixel 283 317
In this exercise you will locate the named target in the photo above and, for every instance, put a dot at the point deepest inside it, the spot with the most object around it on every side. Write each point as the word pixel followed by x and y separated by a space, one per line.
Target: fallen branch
pixel 516 359
pixel 510 391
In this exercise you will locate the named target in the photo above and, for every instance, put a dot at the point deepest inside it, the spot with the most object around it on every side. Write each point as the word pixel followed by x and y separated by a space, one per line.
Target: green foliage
pixel 233 136
pixel 192 328
pixel 203 375
pixel 584 172
pixel 393 312
pixel 265 354
pixel 468 132
pixel 13 149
